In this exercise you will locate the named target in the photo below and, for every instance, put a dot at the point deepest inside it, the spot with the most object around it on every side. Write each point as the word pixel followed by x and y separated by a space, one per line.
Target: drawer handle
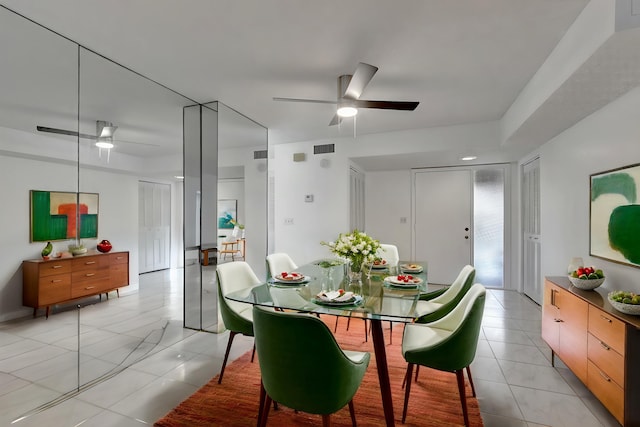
pixel 605 318
pixel 119 257
pixel 558 320
pixel 89 262
pixel 606 347
pixel 56 266
pixel 56 280
pixel 606 378
pixel 89 287
pixel 90 274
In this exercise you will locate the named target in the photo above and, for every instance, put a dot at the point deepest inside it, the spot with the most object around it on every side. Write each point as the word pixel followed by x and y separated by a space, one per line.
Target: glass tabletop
pixel 377 297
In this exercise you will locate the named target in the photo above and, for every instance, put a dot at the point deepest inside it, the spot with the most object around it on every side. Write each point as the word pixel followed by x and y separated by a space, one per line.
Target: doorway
pixel 459 218
pixel 532 280
pixel 154 226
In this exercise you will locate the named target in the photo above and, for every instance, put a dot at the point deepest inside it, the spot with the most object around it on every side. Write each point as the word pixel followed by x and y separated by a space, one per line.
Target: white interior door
pixel 154 226
pixel 532 279
pixel 442 220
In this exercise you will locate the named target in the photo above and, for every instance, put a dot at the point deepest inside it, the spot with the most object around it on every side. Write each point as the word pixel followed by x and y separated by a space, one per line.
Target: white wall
pixel 117 220
pixel 607 139
pixel 387 200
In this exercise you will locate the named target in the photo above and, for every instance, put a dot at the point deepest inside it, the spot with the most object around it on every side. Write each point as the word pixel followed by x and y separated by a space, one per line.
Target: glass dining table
pixel 377 299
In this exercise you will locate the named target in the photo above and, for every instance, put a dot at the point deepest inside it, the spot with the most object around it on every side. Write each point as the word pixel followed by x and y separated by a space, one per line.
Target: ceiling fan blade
pixel 65 132
pixel 315 101
pixel 360 79
pixel 387 105
pixel 335 120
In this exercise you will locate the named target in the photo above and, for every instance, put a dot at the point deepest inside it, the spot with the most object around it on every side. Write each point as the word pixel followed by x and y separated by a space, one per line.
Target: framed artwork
pixel 227 211
pixel 57 215
pixel 615 215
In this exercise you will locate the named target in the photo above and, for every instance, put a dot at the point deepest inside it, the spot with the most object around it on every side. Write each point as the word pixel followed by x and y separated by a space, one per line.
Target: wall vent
pixel 323 149
pixel 260 154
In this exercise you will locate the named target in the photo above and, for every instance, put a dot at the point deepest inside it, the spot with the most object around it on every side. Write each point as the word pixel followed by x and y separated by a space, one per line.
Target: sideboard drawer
pixel 607 391
pixel 55 267
pixel 120 258
pixel 607 328
pixel 607 359
pixel 89 286
pixel 54 288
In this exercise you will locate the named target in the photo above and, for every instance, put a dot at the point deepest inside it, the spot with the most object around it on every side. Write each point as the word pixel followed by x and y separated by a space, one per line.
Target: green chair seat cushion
pixel 356 356
pixel 417 337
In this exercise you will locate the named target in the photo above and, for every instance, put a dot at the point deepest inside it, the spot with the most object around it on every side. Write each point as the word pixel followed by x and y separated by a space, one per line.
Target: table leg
pixel 383 371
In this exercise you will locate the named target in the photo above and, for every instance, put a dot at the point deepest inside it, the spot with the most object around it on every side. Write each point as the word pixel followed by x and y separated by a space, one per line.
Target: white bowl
pixel 633 309
pixel 586 284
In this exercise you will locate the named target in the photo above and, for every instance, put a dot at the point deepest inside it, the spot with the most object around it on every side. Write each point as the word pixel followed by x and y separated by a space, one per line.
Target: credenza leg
pixel 47 313
pixel 553 353
pixel 35 311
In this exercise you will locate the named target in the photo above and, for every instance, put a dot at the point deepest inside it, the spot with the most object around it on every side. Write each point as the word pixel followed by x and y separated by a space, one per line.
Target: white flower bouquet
pixel 356 246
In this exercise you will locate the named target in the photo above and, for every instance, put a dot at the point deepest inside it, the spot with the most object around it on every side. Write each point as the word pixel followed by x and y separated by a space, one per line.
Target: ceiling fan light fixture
pixel 347 111
pixel 105 129
pixel 104 144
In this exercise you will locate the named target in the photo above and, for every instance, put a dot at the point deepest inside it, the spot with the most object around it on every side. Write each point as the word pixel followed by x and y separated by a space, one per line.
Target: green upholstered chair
pixel 302 366
pixel 448 344
pixel 435 306
pixel 237 316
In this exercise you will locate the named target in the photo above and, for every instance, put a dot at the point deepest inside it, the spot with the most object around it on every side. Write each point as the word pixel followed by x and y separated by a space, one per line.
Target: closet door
pixel 154 226
pixel 532 280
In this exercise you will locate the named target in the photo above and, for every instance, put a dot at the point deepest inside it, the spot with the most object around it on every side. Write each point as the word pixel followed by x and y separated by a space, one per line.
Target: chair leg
pixel 463 397
pixel 348 322
pixel 473 389
pixel 335 328
pixel 406 392
pixel 353 414
pixel 226 354
pixel 263 398
pixel 326 420
pixel 417 370
pixel 390 333
pixel 253 352
pixel 265 412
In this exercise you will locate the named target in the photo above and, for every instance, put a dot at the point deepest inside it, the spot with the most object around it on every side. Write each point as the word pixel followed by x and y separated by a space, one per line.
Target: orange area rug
pixel 434 399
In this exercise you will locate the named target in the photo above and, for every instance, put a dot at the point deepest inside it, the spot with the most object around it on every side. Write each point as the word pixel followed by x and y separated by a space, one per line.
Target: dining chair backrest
pixel 389 253
pixel 234 276
pixel 301 364
pixel 278 263
pixel 451 297
pixel 458 350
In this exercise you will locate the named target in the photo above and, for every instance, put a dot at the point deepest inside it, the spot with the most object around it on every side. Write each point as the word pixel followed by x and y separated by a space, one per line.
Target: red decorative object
pixel 104 246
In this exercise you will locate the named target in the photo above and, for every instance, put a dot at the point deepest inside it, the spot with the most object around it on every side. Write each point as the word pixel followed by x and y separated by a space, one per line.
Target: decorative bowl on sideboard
pixel 633 309
pixel 586 284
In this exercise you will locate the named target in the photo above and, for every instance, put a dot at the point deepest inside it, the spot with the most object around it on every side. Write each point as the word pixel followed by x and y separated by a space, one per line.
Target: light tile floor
pixel 150 363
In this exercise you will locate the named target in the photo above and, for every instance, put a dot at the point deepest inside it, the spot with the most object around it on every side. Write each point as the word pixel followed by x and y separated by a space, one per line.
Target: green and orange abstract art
pixel 63 215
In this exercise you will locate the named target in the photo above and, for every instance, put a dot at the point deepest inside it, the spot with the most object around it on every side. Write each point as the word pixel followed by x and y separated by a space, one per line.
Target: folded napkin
pixel 336 296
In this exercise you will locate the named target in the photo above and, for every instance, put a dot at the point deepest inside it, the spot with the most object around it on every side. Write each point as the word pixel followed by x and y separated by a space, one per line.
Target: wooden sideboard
pixel 56 281
pixel 598 343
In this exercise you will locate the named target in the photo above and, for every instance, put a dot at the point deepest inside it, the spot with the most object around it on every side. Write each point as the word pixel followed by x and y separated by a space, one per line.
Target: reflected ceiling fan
pixel 350 87
pixel 103 137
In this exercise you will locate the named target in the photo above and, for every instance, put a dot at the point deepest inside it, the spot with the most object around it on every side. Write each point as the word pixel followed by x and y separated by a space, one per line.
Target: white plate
pixel 393 280
pixel 355 301
pixel 405 267
pixel 380 266
pixel 303 279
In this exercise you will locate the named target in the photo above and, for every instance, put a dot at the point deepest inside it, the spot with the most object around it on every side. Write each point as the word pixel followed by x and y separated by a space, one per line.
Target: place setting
pixel 290 279
pixel 403 281
pixel 337 298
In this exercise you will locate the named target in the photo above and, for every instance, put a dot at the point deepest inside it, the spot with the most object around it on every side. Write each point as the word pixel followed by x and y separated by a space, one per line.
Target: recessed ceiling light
pixel 467 158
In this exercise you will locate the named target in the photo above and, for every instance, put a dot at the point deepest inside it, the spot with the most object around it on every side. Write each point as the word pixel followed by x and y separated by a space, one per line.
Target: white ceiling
pixel 465 61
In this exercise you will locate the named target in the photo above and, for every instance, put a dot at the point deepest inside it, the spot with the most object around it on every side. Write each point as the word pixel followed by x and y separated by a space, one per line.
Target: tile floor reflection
pixel 150 363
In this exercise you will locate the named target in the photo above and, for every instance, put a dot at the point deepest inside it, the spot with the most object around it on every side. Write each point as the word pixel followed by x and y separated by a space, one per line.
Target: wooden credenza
pixel 56 281
pixel 598 343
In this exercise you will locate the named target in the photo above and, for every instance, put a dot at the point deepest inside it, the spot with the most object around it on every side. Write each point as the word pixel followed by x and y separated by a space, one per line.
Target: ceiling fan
pixel 103 137
pixel 350 87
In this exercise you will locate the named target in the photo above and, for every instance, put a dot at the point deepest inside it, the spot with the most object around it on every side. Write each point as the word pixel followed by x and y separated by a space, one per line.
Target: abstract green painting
pixel 615 215
pixel 57 215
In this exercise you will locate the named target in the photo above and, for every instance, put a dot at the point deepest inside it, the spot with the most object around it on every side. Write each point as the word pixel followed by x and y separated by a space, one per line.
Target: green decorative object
pixel 47 250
